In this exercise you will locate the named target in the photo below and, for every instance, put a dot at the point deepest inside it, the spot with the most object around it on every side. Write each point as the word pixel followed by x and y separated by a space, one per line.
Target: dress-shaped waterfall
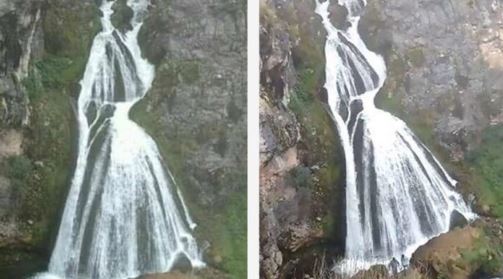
pixel 397 194
pixel 123 216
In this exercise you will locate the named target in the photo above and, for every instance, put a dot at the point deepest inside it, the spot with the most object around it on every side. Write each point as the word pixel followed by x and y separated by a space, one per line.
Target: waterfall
pixel 124 216
pixel 398 196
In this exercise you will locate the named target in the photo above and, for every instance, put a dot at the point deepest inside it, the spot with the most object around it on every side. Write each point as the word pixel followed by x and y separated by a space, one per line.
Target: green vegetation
pixel 317 128
pixel 18 168
pixel 51 145
pixel 416 57
pixel 301 177
pixel 53 73
pixel 228 231
pixel 181 71
pixel 487 165
pixel 485 257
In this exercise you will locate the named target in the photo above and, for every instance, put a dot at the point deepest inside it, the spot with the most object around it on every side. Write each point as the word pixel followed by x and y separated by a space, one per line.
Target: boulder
pixel 457 220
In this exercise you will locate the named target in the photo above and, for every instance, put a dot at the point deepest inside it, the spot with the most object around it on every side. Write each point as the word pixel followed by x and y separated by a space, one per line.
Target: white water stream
pixel 124 216
pixel 398 196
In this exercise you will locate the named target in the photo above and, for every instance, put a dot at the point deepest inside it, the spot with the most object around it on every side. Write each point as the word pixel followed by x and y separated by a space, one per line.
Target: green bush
pixel 484 257
pixel 487 164
pixel 301 176
pixel 19 168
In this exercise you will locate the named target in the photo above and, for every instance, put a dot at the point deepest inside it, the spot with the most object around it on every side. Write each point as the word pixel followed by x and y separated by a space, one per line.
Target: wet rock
pixel 182 264
pixel 122 15
pixel 457 220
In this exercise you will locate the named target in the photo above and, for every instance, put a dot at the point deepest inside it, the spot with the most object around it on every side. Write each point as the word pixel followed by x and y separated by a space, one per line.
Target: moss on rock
pixel 69 28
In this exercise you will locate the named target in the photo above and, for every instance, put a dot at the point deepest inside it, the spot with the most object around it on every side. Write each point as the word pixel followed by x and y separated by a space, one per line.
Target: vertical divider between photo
pixel 253 139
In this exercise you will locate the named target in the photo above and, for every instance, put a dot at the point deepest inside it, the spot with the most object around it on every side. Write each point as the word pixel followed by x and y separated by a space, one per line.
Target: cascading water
pixel 123 216
pixel 397 194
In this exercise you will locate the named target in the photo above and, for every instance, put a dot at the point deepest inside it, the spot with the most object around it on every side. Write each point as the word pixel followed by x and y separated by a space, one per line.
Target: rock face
pixel 196 113
pixel 301 194
pixel 21 40
pixel 200 87
pixel 444 62
pixel 43 50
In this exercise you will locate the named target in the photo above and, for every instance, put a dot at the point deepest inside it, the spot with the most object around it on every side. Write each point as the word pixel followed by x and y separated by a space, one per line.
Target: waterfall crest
pixel 124 216
pixel 398 196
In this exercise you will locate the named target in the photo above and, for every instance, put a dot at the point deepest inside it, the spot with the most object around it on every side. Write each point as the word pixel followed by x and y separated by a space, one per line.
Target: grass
pixel 228 231
pixel 484 258
pixel 486 163
pixel 19 167
pixel 53 73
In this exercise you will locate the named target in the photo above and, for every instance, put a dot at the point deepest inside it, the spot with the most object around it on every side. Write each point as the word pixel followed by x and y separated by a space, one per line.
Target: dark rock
pixel 122 15
pixel 182 264
pixel 457 220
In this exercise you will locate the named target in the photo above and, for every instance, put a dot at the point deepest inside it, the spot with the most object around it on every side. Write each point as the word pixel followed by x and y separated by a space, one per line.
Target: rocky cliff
pixel 44 46
pixel 444 63
pixel 196 112
pixel 301 181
